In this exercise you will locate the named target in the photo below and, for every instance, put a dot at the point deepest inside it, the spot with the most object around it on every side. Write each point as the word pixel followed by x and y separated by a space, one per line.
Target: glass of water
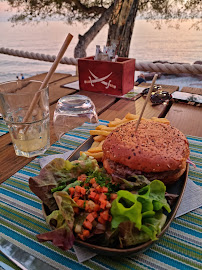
pixel 30 137
pixel 72 111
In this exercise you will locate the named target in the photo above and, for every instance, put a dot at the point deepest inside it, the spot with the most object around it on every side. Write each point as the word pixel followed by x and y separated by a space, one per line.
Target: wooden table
pixel 192 90
pixel 21 215
pixel 169 88
pixel 186 118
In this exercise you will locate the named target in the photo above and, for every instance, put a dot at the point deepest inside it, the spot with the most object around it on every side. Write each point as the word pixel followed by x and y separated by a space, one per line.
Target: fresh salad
pixel 83 202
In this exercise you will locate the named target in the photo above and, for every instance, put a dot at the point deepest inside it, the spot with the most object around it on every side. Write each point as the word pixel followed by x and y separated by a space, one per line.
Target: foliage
pixel 71 10
pixel 75 10
pixel 167 10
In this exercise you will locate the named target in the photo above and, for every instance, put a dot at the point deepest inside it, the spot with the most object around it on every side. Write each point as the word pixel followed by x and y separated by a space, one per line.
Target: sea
pixel 183 45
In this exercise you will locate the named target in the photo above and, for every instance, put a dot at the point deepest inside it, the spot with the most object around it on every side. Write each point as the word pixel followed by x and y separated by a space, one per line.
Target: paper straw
pixel 145 103
pixel 48 76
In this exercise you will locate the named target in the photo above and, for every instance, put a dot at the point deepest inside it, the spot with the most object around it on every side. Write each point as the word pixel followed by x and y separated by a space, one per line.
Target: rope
pixel 37 56
pixel 139 66
pixel 169 68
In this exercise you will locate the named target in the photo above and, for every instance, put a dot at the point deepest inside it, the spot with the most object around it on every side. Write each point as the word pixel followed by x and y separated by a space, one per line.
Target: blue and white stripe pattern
pixel 21 219
pixel 3 127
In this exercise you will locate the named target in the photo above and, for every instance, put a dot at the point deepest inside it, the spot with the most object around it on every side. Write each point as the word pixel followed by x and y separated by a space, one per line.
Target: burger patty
pixel 125 172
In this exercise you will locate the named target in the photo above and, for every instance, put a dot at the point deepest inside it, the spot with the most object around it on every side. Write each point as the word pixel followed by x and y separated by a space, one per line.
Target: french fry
pixel 99 132
pixel 95 149
pixel 97 156
pixel 95 144
pixel 99 138
pixel 131 116
pixel 108 128
pixel 101 143
pixel 101 127
pixel 117 123
pixel 162 120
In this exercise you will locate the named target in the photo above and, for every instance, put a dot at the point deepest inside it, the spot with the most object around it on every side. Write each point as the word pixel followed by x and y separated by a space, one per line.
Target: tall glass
pixel 31 137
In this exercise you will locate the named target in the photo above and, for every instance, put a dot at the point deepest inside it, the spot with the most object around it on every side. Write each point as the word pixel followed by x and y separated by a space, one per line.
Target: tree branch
pixel 85 40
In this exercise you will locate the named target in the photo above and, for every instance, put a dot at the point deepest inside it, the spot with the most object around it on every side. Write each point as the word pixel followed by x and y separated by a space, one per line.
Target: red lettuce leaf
pixel 50 176
pixel 65 205
pixel 62 237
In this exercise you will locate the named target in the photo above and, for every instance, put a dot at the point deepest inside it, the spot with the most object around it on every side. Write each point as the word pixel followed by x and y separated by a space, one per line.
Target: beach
pixel 147 44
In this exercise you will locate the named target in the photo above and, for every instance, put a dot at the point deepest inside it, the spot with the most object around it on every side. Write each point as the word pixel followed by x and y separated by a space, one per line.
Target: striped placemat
pixel 21 219
pixel 3 127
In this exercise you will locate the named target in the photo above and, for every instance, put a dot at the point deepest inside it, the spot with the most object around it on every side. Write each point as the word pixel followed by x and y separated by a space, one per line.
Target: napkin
pixel 45 160
pixel 74 85
pixel 192 199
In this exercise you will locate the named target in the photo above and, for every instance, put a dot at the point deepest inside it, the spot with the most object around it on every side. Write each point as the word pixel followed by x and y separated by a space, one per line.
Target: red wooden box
pixel 115 78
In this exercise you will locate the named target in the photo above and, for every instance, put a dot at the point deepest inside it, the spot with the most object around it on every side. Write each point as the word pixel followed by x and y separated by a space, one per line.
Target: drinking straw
pixel 145 103
pixel 48 76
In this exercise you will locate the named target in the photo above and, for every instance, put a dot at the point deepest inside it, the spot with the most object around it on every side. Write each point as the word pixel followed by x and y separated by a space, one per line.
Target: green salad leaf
pixel 153 225
pixel 155 193
pixel 59 172
pixel 143 210
pixel 137 216
pixel 126 207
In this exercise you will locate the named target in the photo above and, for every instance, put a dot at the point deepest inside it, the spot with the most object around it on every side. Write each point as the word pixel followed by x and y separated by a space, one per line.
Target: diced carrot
pixel 104 189
pixel 71 191
pixel 99 189
pixel 95 185
pixel 92 181
pixel 92 195
pixel 95 214
pixel 76 199
pixel 105 215
pixel 103 204
pixel 96 207
pixel 97 197
pixel 87 224
pixel 78 189
pixel 80 203
pixel 81 236
pixel 82 177
pixel 103 196
pixel 90 217
pixel 76 210
pixel 86 234
pixel 101 220
pixel 113 196
pixel 83 191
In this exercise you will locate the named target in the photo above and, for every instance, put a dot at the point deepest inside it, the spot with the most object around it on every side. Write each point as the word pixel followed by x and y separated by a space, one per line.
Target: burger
pixel 156 150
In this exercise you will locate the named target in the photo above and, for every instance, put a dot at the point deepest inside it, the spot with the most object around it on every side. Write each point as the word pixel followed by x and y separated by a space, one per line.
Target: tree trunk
pixel 85 40
pixel 122 24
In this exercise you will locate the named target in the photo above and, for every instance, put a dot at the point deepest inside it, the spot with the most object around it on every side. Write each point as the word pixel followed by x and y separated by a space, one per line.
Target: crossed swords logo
pixel 95 79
